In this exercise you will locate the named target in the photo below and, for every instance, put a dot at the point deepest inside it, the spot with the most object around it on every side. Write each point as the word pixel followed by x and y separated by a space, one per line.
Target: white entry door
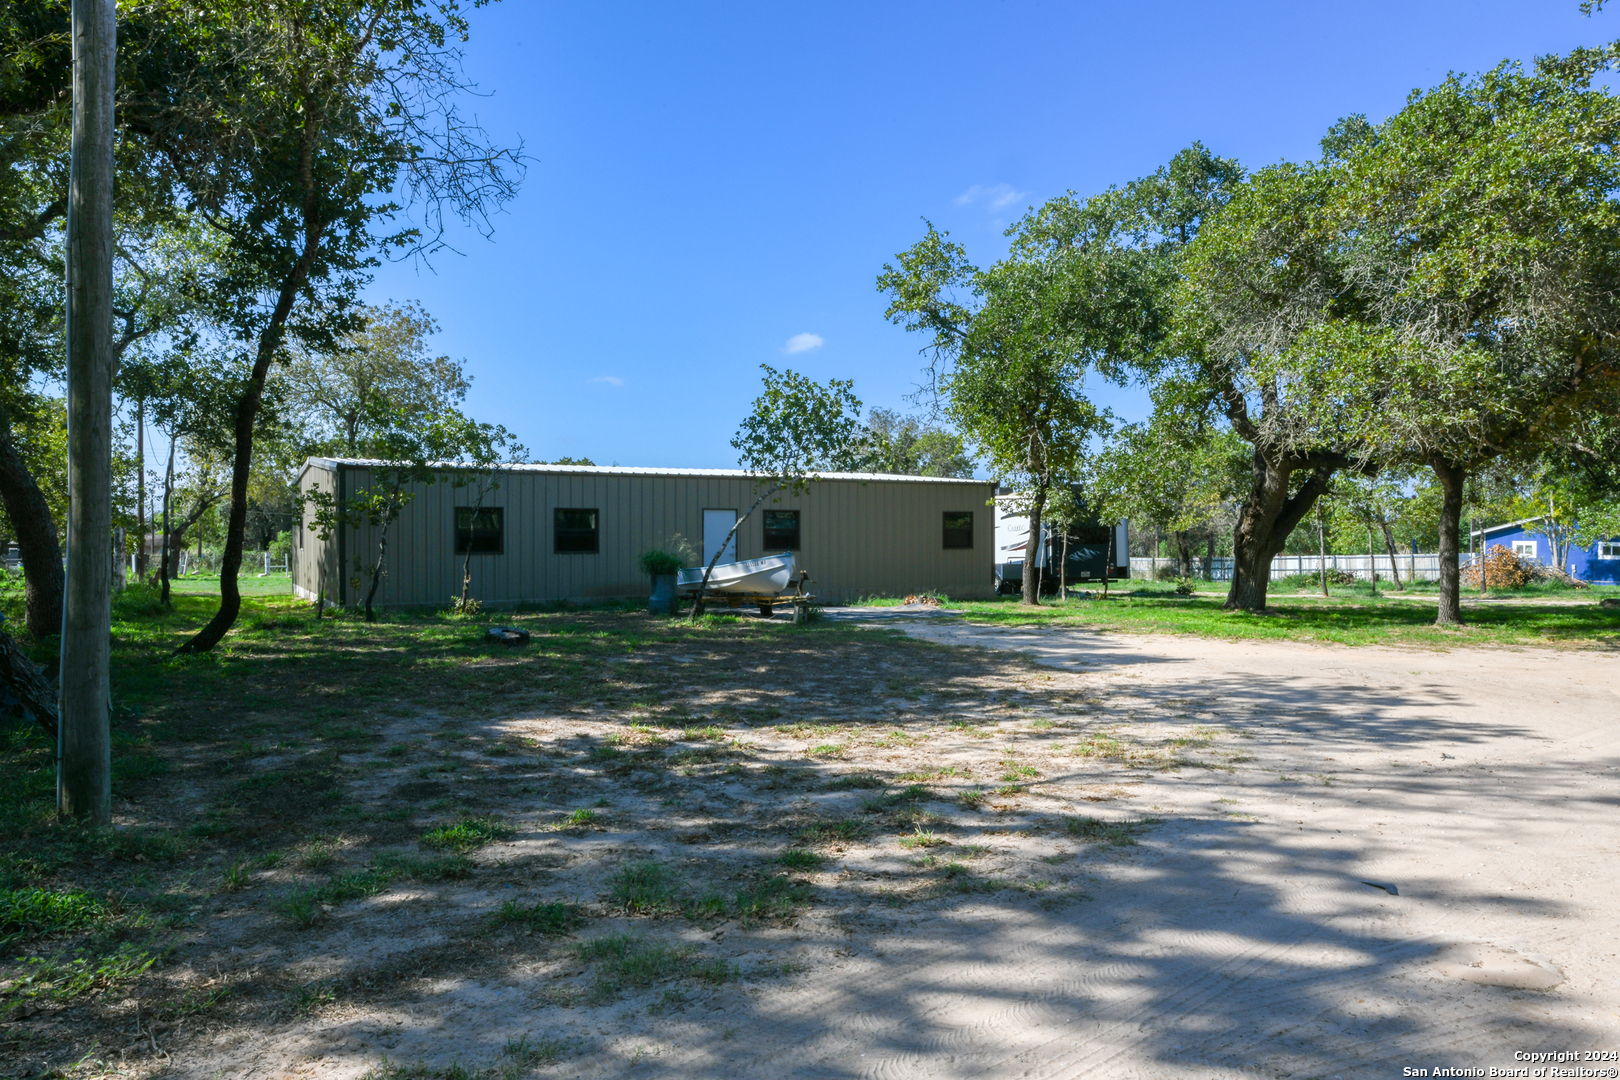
pixel 716 528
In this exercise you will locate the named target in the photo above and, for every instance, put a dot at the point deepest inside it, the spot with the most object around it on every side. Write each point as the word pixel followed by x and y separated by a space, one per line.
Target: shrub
pixel 654 563
pixel 1503 570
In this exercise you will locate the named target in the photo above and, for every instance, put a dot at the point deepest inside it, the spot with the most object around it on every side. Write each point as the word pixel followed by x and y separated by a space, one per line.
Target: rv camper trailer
pixel 1096 550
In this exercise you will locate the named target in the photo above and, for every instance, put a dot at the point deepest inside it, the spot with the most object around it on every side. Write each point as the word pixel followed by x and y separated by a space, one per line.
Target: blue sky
pixel 716 186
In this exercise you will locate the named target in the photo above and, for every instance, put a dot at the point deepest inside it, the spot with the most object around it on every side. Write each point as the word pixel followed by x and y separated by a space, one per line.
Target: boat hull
pixel 769 575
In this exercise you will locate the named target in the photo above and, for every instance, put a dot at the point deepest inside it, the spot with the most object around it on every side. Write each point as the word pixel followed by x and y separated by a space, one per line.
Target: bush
pixel 1184 586
pixel 654 563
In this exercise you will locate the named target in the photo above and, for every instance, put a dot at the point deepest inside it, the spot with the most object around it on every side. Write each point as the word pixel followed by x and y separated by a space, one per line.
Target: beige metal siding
pixel 877 537
pixel 314 561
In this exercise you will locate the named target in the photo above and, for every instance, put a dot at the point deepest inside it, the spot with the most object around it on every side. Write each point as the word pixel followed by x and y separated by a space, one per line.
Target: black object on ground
pixel 1392 890
pixel 507 635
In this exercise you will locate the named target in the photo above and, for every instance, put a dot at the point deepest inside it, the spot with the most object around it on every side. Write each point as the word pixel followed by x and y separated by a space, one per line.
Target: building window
pixel 574 530
pixel 1609 549
pixel 958 529
pixel 1524 549
pixel 781 530
pixel 480 531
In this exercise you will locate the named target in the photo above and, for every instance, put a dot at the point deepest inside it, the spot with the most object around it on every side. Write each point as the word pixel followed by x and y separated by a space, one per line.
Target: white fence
pixel 1412 567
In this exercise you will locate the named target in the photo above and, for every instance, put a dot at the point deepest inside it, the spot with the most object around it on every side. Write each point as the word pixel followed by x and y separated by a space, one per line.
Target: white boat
pixel 769 575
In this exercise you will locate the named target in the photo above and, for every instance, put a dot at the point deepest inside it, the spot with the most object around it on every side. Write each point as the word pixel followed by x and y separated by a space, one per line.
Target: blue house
pixel 1599 564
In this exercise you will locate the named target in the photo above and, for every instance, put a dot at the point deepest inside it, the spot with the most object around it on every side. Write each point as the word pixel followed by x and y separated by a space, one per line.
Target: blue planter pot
pixel 662 601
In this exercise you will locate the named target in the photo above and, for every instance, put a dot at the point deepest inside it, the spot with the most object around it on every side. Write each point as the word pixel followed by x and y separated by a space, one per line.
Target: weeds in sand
pixel 578 819
pixel 538 1052
pixel 921 839
pixel 626 962
pixel 311 998
pixel 827 750
pixel 698 734
pixel 424 868
pixel 972 800
pixel 644 888
pixel 946 773
pixel 552 918
pixel 237 877
pixel 967 727
pixel 851 781
pixel 773 898
pixel 802 859
pixel 1109 833
pixel 1017 773
pixel 36 913
pixel 302 908
pixel 467 834
pixel 831 832
pixel 320 854
pixel 62 980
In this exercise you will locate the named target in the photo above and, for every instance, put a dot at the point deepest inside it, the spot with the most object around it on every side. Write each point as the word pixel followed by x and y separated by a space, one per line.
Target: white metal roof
pixel 627 470
pixel 1507 525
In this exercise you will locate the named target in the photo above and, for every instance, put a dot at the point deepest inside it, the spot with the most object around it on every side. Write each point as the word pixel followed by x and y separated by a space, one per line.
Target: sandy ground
pixel 1387 859
pixel 1480 784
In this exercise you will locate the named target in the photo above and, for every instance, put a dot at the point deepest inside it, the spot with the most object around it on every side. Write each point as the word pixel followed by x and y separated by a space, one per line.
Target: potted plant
pixel 661 567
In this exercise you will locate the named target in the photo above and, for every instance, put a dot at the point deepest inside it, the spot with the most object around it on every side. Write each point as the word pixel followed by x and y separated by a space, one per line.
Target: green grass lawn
pixel 1351 615
pixel 249 584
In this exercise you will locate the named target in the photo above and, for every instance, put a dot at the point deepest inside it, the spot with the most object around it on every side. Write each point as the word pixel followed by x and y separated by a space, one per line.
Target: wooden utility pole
pixel 84 776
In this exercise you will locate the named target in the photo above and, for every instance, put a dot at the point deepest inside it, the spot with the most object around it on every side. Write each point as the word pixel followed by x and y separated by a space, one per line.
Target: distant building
pixel 568 532
pixel 1599 563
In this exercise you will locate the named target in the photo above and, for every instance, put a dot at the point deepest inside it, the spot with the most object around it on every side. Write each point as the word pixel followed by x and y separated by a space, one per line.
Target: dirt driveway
pixel 863 857
pixel 1480 786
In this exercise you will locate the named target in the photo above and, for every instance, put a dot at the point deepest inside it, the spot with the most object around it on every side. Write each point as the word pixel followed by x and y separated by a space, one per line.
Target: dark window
pixel 575 530
pixel 781 530
pixel 959 529
pixel 480 530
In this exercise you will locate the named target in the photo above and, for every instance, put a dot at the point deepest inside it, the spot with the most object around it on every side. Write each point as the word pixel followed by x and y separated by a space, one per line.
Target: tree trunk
pixel 84 784
pixel 1452 478
pixel 1108 565
pixel 168 505
pixel 37 543
pixel 1372 559
pixel 247 414
pixel 1063 568
pixel 1183 554
pixel 377 573
pixel 1032 547
pixel 1321 548
pixel 140 491
pixel 1264 521
pixel 1389 544
pixel 1209 559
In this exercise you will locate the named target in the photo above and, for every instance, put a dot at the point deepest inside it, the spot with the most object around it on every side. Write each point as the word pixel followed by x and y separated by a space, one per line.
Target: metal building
pixel 565 532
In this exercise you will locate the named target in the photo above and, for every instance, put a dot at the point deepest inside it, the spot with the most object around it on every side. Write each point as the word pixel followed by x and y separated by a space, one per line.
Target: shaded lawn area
pixel 1344 619
pixel 265 792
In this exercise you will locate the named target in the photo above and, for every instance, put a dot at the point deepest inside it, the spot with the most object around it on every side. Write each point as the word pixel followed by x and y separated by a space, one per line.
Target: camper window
pixel 781 530
pixel 479 531
pixel 575 530
pixel 958 529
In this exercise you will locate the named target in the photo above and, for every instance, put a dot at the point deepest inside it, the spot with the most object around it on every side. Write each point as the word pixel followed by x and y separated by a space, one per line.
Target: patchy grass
pixel 629 962
pixel 468 834
pixel 550 918
pixel 1107 833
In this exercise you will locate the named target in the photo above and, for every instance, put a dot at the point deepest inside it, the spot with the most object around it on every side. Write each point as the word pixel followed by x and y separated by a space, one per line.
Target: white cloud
pixel 998 197
pixel 611 380
pixel 802 343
